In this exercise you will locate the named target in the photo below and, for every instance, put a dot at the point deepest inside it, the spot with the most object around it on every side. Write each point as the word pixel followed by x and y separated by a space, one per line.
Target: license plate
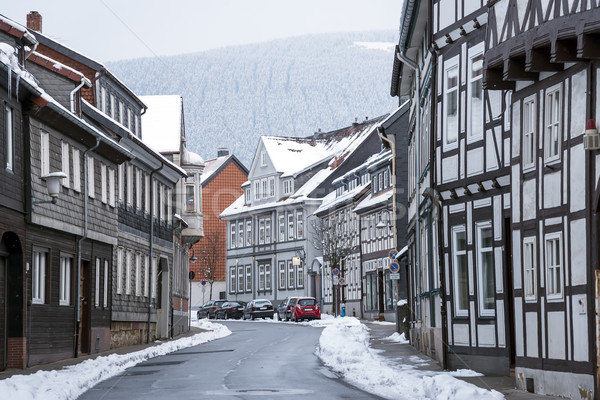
pixel 263 308
pixel 308 309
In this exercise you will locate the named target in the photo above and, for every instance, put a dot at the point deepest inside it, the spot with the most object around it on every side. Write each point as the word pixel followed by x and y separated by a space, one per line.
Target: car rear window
pixel 262 302
pixel 307 302
pixel 219 303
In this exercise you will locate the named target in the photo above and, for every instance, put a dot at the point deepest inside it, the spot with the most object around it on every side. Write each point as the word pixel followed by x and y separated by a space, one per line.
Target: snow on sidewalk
pixel 70 382
pixel 344 347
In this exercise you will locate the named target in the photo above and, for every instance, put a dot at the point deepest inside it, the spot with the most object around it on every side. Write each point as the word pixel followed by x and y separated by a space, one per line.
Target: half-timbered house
pixel 545 54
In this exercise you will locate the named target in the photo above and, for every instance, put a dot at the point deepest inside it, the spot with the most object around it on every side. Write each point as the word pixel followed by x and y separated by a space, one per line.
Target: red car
pixel 305 308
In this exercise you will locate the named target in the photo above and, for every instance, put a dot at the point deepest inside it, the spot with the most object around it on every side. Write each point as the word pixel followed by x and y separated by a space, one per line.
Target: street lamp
pixel 53 185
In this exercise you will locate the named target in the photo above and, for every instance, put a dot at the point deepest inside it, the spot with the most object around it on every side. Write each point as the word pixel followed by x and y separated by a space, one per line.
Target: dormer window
pixel 288 187
pixel 247 196
pixel 263 159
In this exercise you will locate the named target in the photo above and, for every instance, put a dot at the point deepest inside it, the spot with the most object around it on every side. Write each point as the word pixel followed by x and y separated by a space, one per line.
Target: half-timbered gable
pixel 545 53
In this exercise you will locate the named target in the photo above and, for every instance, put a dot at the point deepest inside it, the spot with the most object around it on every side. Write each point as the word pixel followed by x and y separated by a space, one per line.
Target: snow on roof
pixel 161 124
pixel 59 68
pixel 212 166
pixel 331 201
pixel 15 29
pixel 374 200
pixel 191 158
pixel 158 155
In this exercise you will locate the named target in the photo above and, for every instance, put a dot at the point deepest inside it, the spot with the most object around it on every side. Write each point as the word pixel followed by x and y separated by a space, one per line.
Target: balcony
pixel 194 230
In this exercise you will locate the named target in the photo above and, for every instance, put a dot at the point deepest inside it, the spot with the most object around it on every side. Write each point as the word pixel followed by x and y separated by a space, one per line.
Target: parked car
pixel 284 308
pixel 208 309
pixel 231 309
pixel 259 308
pixel 305 308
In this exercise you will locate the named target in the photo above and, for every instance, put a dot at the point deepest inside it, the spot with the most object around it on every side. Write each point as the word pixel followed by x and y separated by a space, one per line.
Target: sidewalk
pixel 398 353
pixel 73 361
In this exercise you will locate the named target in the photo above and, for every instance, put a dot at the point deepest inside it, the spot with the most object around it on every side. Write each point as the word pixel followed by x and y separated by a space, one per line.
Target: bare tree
pixel 332 237
pixel 210 252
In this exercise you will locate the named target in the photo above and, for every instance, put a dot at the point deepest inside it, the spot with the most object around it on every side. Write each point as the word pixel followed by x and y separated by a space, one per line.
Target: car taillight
pixel 215 307
pixel 253 308
pixel 288 308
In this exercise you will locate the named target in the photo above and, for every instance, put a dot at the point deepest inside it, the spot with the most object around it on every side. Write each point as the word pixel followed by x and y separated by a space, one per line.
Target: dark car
pixel 231 309
pixel 305 308
pixel 208 309
pixel 259 308
pixel 284 308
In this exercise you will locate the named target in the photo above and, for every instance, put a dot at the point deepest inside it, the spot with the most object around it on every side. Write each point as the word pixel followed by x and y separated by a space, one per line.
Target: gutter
pixel 151 275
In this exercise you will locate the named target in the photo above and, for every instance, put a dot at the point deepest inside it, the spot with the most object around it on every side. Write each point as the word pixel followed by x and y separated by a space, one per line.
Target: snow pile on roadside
pixel 344 347
pixel 397 338
pixel 70 382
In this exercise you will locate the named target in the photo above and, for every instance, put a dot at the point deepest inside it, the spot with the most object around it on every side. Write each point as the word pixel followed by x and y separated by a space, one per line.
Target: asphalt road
pixel 258 360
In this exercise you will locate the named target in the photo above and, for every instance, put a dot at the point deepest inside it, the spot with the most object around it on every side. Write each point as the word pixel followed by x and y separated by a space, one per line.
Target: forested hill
pixel 288 87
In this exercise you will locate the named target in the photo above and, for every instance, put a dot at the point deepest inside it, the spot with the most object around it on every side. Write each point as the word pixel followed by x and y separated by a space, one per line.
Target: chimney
pixel 222 152
pixel 34 21
pixel 355 123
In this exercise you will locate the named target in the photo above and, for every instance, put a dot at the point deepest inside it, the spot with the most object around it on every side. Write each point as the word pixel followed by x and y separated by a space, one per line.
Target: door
pixel 85 311
pixel 510 301
pixel 3 314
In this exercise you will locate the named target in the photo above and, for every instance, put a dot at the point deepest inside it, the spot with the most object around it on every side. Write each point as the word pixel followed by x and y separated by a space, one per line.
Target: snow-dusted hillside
pixel 288 87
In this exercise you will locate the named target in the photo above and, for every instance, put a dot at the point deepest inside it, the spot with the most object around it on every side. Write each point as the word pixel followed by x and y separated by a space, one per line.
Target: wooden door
pixel 3 304
pixel 85 311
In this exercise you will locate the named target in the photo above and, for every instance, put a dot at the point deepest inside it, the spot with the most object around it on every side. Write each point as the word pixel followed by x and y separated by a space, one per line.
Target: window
pixel 38 284
pixel 44 153
pixel 268 277
pixel 281 275
pixel 256 190
pixel 261 231
pixel 106 283
pixel 103 183
pixel 268 230
pixel 261 277
pixel 300 275
pixel 386 178
pixel 247 196
pixel 485 268
pixel 129 184
pixel 190 205
pixel 240 278
pixel 248 233
pixel 64 146
pixel 103 97
pixel 291 275
pixel 554 282
pixel 91 184
pixel 529 132
pixel 263 159
pixel 451 110
pixel 146 274
pixel 169 206
pixel 232 280
pixel 232 235
pixel 380 179
pixel 128 261
pixel 475 93
pixel 461 273
pixel 138 189
pixel 121 182
pixel 271 186
pixel 111 187
pixel 282 228
pixel 9 132
pixel 241 234
pixel 248 278
pixel 552 123
pixel 299 225
pixel 147 194
pixel 138 274
pixel 288 186
pixel 154 277
pixel 64 290
pixel 112 106
pixel 291 226
pixel 529 267
pixel 119 270
pixel 263 183
pixel 155 211
pixel 97 285
pixel 128 120
pixel 76 170
pixel 121 114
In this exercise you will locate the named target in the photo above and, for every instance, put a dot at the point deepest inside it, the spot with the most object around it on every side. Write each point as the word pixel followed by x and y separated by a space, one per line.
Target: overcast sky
pixel 109 30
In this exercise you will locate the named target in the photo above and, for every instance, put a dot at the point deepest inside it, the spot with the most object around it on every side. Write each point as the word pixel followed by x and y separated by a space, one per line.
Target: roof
pixel 16 30
pixel 332 201
pixel 58 68
pixel 373 201
pixel 162 123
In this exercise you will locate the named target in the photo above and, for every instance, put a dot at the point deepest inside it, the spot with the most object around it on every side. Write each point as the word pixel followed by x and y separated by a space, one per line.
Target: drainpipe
pixel 394 195
pixel 80 241
pixel 150 283
pixel 72 95
pixel 417 264
pixel 31 51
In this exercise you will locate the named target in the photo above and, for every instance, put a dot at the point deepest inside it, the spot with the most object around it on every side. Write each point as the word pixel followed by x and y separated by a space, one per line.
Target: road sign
pixel 395 277
pixel 335 279
pixel 341 281
pixel 394 267
pixel 203 283
pixel 192 275
pixel 335 272
pixel 393 254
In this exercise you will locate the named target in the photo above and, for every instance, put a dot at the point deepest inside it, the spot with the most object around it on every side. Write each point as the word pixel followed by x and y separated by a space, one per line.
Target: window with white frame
pixel 106 283
pixel 261 231
pixel 240 278
pixel 299 225
pixel 451 103
pixel 247 196
pixel 263 159
pixel 248 278
pixel 44 153
pixel 103 184
pixel 121 179
pixel 120 263
pixel 97 284
pixel 128 267
pixel 475 93
pixel 268 230
pixel 281 227
pixel 64 147
pixel 146 274
pixel 554 278
pixel 288 186
pixel 121 113
pixel 91 175
pixel 300 275
pixel 291 235
pixel 112 106
pixel 138 274
pixel 240 234
pixel 460 271
pixel 128 119
pixel 530 268
pixel 552 124
pixel 268 277
pixel 154 189
pixel 291 275
pixel 261 277
pixel 263 184
pixel 271 186
pixel 138 189
pixel 249 233
pixel 257 190
pixel 169 206
pixel 529 132
pixel 9 137
pixel 76 170
pixel 281 275
pixel 129 184
pixel 232 235
pixel 161 202
pixel 147 193
pixel 232 280
pixel 38 283
pixel 485 268
pixel 154 277
pixel 64 290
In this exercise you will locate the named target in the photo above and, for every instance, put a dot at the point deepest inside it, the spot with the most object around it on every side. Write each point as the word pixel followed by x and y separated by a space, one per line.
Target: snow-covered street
pixel 343 347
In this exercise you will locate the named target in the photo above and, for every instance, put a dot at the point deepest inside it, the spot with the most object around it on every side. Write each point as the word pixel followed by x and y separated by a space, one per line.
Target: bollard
pixel 343 313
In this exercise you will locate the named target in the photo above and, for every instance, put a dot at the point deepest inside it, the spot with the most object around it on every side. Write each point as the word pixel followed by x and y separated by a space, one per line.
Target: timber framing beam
pixel 538 60
pixel 514 70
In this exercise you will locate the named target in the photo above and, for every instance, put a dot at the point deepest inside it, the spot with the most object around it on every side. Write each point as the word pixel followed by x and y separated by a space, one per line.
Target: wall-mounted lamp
pixel 193 258
pixel 467 191
pixel 448 38
pixel 495 184
pixel 53 185
pixel 453 194
pixel 476 24
pixel 462 31
pixel 480 188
